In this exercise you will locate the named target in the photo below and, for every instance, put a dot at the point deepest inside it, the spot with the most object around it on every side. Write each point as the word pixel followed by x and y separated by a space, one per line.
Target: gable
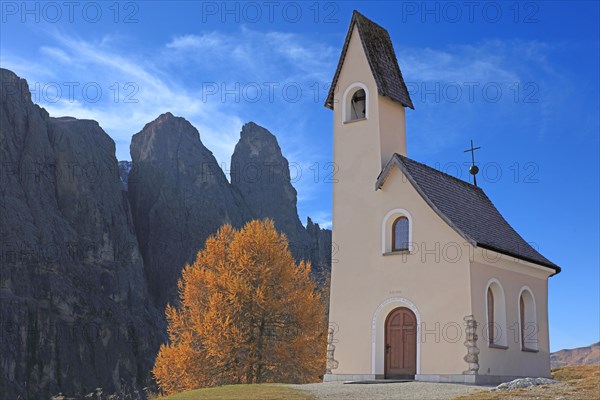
pixel 466 209
pixel 429 228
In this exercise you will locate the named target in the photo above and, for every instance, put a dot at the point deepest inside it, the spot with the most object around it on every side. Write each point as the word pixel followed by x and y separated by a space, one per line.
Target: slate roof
pixel 467 209
pixel 382 60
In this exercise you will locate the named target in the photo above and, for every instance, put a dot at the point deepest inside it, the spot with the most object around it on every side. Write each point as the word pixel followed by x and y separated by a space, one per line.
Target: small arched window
pixel 527 321
pixel 400 235
pixel 355 103
pixel 522 319
pixel 490 313
pixel 396 232
pixel 358 105
pixel 496 328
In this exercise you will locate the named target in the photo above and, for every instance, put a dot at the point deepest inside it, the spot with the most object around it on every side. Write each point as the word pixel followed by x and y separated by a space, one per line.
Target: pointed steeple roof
pixel 382 60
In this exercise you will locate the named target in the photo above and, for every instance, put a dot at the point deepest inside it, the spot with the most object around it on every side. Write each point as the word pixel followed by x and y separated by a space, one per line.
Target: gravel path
pixel 387 391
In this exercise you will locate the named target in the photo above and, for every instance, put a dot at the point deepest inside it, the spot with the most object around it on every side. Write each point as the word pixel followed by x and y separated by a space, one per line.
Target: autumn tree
pixel 247 313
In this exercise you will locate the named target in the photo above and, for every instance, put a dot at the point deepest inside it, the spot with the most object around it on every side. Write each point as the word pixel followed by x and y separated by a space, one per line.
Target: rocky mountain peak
pixel 252 129
pixel 171 123
pixel 167 138
pixel 259 142
pixel 179 197
pixel 261 173
pixel 16 88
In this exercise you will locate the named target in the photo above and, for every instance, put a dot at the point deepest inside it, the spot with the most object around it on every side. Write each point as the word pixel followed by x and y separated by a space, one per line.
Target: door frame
pixel 378 335
pixel 385 333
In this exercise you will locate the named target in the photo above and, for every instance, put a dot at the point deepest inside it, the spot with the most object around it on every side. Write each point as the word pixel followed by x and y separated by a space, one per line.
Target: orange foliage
pixel 247 314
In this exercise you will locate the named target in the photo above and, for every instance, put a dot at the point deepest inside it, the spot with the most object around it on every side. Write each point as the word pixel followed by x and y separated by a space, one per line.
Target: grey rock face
pixel 124 169
pixel 261 173
pixel 179 197
pixel 320 250
pixel 73 297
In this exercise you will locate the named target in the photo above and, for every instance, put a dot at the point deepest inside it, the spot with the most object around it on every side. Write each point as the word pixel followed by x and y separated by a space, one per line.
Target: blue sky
pixel 521 79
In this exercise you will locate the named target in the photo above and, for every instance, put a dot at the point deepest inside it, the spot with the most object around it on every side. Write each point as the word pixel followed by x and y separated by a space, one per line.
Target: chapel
pixel 429 281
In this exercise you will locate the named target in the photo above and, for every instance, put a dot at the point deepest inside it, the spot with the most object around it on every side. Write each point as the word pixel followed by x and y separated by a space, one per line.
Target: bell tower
pixel 368 97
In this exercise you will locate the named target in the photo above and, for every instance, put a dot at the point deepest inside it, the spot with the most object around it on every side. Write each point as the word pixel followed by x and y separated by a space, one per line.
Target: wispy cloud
pixel 57 54
pixel 134 90
pixel 487 61
pixel 254 55
pixel 209 41
pixel 137 87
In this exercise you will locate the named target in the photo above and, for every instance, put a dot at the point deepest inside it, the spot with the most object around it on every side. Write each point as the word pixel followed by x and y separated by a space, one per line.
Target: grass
pixel 576 383
pixel 243 392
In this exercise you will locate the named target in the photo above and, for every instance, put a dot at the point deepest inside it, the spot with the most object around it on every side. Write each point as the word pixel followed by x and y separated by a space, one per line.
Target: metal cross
pixel 473 170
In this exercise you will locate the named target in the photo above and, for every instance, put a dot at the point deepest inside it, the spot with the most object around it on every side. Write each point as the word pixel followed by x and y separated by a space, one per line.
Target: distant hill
pixel 579 356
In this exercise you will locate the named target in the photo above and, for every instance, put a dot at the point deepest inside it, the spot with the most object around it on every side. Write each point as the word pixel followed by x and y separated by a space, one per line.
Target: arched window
pixel 396 232
pixel 522 320
pixel 400 234
pixel 528 327
pixel 355 107
pixel 496 329
pixel 358 105
pixel 490 313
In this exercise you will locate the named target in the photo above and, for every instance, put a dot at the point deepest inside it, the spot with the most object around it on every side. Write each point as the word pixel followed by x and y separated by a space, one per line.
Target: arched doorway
pixel 400 344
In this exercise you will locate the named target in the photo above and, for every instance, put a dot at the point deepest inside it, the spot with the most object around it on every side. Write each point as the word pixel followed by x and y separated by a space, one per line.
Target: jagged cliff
pixel 179 197
pixel 320 251
pixel 92 249
pixel 261 173
pixel 74 309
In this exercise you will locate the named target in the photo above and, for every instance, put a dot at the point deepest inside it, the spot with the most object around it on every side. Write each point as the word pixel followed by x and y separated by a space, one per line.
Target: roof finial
pixel 473 170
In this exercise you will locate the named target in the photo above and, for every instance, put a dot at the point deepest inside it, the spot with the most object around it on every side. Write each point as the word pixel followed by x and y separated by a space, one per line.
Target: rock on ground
pixel 523 383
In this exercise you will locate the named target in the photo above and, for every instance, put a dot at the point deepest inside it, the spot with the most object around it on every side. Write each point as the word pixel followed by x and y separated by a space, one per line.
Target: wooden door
pixel 401 344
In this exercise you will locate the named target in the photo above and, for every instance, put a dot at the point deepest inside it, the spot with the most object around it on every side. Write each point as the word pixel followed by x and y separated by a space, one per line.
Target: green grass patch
pixel 243 392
